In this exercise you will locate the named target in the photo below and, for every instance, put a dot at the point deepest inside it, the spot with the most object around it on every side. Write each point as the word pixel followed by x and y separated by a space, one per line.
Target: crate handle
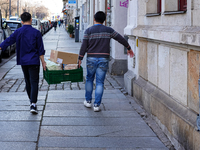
pixel 66 74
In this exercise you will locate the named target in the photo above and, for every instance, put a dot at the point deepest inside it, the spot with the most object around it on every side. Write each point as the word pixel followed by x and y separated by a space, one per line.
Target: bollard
pixel 198 117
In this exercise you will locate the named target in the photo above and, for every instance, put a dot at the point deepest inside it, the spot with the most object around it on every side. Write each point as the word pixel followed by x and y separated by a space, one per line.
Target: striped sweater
pixel 96 41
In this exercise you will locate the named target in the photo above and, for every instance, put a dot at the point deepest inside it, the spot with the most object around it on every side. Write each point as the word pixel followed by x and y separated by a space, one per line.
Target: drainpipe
pixel 198 117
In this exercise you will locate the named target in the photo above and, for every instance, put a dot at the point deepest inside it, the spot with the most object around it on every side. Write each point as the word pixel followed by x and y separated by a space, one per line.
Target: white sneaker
pixel 96 108
pixel 87 104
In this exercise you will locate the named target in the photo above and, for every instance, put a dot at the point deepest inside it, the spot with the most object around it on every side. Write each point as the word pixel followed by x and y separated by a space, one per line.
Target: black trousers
pixel 31 75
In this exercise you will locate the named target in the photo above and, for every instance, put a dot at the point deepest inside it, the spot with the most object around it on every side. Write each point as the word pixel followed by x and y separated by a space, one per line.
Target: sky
pixel 55 6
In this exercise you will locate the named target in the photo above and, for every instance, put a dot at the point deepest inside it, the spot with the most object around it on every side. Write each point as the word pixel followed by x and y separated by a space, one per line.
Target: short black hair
pixel 26 17
pixel 100 16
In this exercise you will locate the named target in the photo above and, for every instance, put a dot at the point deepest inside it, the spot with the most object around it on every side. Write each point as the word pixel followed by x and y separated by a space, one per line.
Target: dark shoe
pixel 33 109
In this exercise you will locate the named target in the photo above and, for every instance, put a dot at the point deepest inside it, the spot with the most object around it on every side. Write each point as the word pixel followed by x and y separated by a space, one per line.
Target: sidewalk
pixel 63 123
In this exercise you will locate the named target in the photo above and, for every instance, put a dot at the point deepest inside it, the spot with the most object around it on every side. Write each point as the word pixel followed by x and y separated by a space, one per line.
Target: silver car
pixel 36 24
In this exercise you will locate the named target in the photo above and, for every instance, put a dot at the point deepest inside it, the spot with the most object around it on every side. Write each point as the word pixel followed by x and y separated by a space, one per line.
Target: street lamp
pixel 9 8
pixel 18 7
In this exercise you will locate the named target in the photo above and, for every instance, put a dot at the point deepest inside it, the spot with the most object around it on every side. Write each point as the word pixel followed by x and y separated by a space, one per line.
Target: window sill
pixel 174 12
pixel 153 14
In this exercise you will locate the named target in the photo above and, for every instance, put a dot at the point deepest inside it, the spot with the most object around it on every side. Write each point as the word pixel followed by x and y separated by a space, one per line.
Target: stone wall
pixel 177 121
pixel 167 87
pixel 167 61
pixel 172 69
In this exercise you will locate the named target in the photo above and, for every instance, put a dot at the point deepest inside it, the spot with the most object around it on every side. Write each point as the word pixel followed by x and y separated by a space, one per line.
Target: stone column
pixel 91 23
pixel 132 72
pixel 118 63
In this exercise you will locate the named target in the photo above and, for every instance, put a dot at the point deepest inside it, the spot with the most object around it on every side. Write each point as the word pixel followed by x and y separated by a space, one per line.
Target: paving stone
pixel 139 129
pixel 44 88
pixel 20 96
pixel 19 136
pixel 67 85
pixel 109 87
pixel 81 94
pixel 87 121
pixel 59 87
pixel 90 113
pixel 18 108
pixel 18 145
pixel 6 89
pixel 114 142
pixel 45 82
pixel 21 88
pixel 52 87
pixel 19 102
pixel 50 148
pixel 19 115
pixel 117 106
pixel 19 126
pixel 64 106
pixel 14 88
pixel 74 86
pixel 7 85
pixel 82 86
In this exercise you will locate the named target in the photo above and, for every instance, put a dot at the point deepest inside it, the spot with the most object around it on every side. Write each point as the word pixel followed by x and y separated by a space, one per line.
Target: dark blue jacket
pixel 29 45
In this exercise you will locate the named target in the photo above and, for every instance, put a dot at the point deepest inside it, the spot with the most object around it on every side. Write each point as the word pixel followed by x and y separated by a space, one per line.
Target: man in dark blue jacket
pixel 30 50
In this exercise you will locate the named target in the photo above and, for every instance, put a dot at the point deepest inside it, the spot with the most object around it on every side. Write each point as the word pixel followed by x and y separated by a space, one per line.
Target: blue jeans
pixel 98 66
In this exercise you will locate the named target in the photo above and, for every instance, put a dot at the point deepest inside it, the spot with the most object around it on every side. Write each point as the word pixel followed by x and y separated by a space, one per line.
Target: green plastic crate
pixel 58 76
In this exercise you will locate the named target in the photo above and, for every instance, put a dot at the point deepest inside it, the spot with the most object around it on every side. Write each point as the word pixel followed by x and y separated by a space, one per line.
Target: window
pixel 158 6
pixel 153 8
pixel 182 5
pixel 175 7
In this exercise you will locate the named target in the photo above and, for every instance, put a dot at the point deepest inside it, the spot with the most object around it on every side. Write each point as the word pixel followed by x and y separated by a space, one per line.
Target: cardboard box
pixel 63 57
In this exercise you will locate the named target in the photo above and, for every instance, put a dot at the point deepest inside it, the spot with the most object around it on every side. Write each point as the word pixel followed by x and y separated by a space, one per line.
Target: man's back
pixel 97 41
pixel 28 42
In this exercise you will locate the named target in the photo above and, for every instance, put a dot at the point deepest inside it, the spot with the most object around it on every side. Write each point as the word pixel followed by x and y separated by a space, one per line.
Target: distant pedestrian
pixel 55 25
pixel 30 50
pixel 59 23
pixel 96 43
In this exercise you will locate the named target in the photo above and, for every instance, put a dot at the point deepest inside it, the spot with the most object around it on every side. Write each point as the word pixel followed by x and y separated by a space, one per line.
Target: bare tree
pixel 42 12
pixel 36 10
pixel 5 7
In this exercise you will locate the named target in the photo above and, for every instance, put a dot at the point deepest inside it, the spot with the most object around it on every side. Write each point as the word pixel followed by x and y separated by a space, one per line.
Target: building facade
pixel 116 18
pixel 164 74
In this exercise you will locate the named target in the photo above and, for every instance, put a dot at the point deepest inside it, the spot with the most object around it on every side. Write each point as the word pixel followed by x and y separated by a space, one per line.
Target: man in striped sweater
pixel 96 43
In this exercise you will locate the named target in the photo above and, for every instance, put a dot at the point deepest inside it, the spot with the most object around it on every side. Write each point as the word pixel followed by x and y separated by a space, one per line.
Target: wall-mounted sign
pixel 72 1
pixel 124 4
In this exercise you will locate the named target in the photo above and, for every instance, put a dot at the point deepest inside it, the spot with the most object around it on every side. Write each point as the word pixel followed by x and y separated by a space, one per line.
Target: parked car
pixel 46 28
pixel 7 32
pixel 1 34
pixel 14 18
pixel 42 28
pixel 13 24
pixel 36 24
